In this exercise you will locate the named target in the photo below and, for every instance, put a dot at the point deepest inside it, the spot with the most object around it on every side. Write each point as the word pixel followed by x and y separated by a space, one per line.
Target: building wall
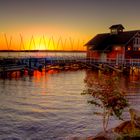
pixel 93 54
pixel 117 52
pixel 132 50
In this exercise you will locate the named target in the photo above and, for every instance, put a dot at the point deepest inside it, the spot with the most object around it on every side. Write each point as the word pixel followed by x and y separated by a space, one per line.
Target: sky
pixel 62 24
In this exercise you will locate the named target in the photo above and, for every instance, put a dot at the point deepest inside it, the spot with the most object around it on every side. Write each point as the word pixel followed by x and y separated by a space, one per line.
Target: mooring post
pixel 4 71
pixel 30 71
pixel 45 64
pixel 30 63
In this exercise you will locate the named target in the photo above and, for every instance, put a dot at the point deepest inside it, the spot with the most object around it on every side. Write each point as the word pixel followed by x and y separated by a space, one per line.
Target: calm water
pixel 42 54
pixel 49 106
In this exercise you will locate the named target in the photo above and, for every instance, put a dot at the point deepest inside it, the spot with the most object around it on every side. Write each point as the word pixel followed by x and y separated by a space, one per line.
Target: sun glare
pixel 14 42
pixel 41 47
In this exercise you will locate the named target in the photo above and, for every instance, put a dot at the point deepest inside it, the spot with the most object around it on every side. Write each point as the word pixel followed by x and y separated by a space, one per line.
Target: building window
pixel 136 41
pixel 136 44
pixel 114 31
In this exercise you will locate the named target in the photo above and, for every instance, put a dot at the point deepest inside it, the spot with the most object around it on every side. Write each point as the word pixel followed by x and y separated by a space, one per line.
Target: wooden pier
pixel 9 65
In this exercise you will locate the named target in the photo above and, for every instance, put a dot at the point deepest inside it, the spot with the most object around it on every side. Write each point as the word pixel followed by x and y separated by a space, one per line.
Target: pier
pixel 10 65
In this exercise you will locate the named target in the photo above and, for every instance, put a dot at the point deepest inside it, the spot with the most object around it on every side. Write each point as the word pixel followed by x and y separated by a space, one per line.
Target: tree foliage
pixel 106 94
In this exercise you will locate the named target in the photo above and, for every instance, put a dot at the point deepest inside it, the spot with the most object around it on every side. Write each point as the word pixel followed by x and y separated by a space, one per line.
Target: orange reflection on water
pixel 38 75
pixel 134 78
pixel 53 71
pixel 130 83
pixel 15 75
pixel 134 74
pixel 40 80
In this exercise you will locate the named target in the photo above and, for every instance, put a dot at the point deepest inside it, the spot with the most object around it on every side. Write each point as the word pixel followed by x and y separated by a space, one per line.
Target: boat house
pixel 117 45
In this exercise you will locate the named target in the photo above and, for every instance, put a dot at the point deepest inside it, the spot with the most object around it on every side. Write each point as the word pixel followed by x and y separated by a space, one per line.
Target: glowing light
pixel 41 47
pixel 40 42
pixel 117 48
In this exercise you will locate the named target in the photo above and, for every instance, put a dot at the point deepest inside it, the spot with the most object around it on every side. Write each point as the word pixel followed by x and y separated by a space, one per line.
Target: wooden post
pixel 30 63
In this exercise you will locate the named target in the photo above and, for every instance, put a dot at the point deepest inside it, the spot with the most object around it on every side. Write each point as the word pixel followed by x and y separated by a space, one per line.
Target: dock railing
pixel 66 60
pixel 113 61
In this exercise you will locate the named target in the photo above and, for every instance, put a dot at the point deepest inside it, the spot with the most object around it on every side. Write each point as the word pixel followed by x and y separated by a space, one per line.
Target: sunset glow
pixel 75 22
pixel 20 42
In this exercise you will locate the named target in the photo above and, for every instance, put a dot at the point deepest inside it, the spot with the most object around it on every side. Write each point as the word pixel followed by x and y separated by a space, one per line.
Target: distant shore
pixel 42 51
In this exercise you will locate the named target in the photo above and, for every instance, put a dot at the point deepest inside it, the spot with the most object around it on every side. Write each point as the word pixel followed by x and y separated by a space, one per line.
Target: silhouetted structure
pixel 117 45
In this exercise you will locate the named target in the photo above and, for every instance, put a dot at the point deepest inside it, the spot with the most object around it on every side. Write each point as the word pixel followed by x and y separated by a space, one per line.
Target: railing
pixel 110 61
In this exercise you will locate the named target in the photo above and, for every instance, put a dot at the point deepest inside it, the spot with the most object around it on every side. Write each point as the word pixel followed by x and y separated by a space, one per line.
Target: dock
pixel 114 68
pixel 10 65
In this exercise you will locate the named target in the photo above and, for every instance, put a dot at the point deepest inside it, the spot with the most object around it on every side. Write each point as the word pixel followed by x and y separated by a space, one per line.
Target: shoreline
pixel 127 130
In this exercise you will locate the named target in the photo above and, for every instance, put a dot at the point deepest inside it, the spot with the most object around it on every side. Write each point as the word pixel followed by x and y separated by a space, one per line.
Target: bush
pixel 108 95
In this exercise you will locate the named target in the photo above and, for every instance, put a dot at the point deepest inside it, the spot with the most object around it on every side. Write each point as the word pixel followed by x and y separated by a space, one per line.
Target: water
pixel 42 54
pixel 49 106
pixel 45 106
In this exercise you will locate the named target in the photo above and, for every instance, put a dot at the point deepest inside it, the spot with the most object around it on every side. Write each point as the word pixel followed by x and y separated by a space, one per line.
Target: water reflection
pixel 50 106
pixel 130 84
pixel 42 54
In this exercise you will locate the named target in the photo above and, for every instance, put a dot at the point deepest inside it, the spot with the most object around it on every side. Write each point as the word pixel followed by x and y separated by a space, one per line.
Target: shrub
pixel 106 94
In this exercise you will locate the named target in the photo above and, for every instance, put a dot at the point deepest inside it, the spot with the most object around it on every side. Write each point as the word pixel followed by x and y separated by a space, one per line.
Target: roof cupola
pixel 115 29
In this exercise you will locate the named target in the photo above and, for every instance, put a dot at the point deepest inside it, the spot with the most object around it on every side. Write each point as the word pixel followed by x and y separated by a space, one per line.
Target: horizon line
pixel 42 50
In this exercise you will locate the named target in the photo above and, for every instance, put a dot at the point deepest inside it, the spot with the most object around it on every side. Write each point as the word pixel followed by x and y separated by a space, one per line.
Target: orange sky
pixel 40 38
pixel 74 21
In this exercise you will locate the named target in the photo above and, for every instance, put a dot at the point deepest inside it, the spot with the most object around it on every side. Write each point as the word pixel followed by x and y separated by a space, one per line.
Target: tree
pixel 106 94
